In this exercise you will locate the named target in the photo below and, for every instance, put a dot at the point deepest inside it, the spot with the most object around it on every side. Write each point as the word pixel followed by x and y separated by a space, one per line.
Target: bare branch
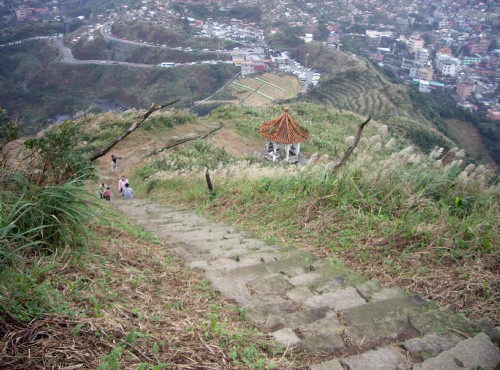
pixel 185 140
pixel 131 129
pixel 349 150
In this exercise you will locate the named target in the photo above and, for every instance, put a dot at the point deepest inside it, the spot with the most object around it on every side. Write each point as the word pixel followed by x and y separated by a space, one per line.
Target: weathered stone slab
pixel 338 300
pixel 302 317
pixel 388 293
pixel 276 284
pixel 328 365
pixel 332 283
pixel 272 306
pixel 431 345
pixel 396 308
pixel 286 337
pixel 385 358
pixel 327 344
pixel 306 279
pixel 437 321
pixel 292 264
pixel 327 326
pixel 468 354
pixel 299 295
pixel 368 288
pixel 386 319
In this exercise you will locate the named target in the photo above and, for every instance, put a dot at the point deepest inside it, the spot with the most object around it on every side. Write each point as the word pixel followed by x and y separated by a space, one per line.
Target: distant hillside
pixel 364 90
pixel 36 87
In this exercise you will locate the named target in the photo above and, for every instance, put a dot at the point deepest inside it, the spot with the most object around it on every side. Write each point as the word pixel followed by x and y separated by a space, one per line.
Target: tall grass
pixel 36 223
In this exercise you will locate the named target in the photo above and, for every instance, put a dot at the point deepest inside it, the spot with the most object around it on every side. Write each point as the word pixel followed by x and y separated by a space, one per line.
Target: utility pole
pixel 307 57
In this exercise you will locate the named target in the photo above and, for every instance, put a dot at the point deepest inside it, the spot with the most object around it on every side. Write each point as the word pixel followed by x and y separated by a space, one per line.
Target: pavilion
pixel 284 137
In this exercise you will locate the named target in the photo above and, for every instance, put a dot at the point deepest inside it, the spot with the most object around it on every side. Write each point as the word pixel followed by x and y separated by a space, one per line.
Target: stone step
pixel 384 358
pixel 387 319
pixel 315 304
pixel 478 352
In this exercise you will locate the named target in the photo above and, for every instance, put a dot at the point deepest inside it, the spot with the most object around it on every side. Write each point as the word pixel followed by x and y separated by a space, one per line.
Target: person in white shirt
pixel 121 184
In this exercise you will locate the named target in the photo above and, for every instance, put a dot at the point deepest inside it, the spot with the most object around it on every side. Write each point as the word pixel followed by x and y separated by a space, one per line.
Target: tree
pixel 321 33
pixel 55 157
pixel 9 130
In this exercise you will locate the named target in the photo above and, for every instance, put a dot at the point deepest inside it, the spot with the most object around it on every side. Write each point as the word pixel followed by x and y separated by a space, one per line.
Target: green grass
pixel 36 226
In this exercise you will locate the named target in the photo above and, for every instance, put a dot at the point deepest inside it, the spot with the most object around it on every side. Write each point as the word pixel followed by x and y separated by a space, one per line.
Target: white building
pixel 422 56
pixel 424 86
pixel 373 33
pixel 449 67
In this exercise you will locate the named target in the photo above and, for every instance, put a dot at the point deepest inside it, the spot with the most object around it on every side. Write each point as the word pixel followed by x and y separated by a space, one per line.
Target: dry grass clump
pixel 137 307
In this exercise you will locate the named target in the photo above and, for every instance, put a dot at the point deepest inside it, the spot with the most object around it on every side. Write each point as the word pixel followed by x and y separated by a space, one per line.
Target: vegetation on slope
pixel 424 222
pixel 80 287
pixel 364 90
pixel 32 82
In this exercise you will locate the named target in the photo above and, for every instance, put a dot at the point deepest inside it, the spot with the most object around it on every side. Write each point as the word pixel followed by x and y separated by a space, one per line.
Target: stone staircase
pixel 316 305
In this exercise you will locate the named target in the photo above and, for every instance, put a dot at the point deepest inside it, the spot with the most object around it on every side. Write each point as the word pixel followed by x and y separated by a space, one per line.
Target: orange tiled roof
pixel 283 130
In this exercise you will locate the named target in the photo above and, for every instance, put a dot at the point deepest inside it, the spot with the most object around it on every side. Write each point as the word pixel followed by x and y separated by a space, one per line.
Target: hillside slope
pixel 364 90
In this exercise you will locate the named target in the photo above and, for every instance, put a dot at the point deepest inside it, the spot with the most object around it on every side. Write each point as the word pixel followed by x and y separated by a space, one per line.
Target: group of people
pixel 124 188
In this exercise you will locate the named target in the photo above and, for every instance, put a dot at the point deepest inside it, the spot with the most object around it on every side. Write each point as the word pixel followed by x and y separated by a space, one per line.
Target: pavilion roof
pixel 283 130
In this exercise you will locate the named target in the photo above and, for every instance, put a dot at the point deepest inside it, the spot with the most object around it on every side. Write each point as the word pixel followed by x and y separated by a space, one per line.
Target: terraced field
pixel 261 89
pixel 361 91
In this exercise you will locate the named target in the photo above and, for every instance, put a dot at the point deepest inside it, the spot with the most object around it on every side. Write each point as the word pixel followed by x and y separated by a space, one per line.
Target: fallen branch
pixel 131 129
pixel 182 141
pixel 349 150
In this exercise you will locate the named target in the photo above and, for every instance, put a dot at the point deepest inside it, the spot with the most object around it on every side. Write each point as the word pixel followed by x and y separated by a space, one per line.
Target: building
pixel 414 43
pixel 466 105
pixel 422 73
pixel 23 13
pixel 407 64
pixel 422 56
pixel 308 37
pixel 379 34
pixel 469 60
pixel 377 56
pixel 493 114
pixel 449 67
pixel 480 47
pixel 464 89
pixel 284 137
pixel 250 67
pixel 424 87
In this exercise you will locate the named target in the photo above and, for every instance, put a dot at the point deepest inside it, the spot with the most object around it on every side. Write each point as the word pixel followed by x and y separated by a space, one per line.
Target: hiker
pixel 128 192
pixel 121 183
pixel 114 161
pixel 107 194
pixel 102 188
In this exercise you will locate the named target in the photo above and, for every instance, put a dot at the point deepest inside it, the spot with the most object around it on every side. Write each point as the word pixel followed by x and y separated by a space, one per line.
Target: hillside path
pixel 316 305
